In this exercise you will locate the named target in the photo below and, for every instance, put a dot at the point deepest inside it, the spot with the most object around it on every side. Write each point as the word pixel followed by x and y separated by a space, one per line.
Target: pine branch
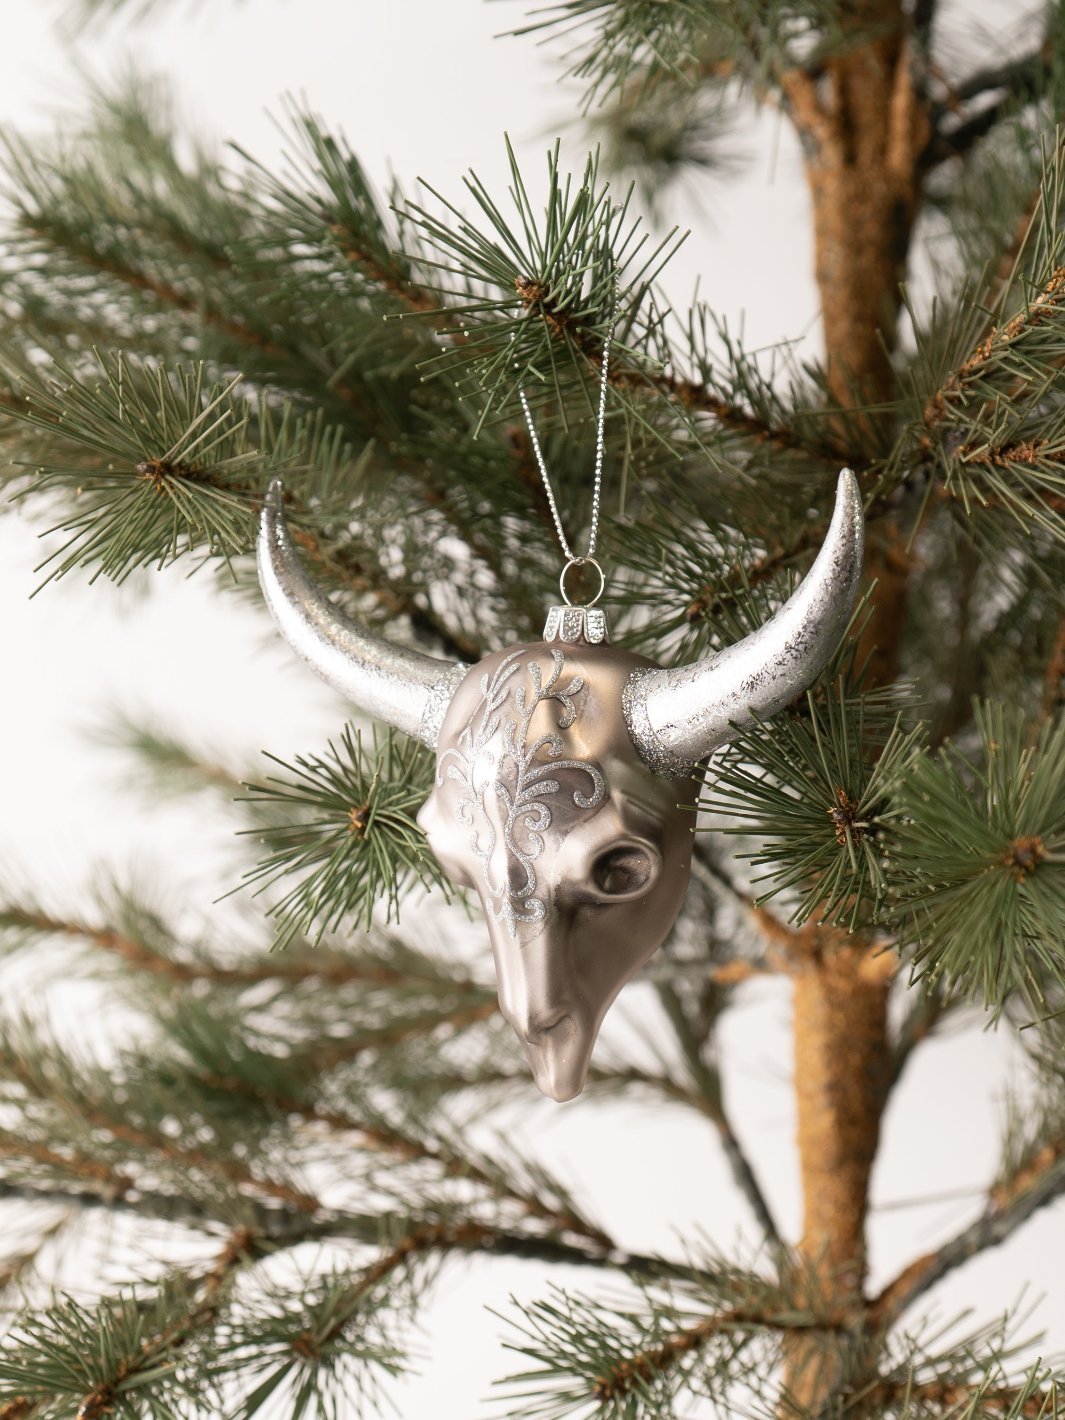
pixel 1017 82
pixel 110 1115
pixel 17 1264
pixel 139 1345
pixel 321 966
pixel 379 1134
pixel 523 306
pixel 1010 1205
pixel 1014 1402
pixel 817 786
pixel 441 1022
pixel 976 852
pixel 630 1362
pixel 1041 310
pixel 350 840
pixel 706 1081
pixel 206 1301
pixel 633 1373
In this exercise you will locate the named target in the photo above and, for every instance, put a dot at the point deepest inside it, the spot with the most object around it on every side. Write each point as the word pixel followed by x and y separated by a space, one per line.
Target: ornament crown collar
pixel 576 625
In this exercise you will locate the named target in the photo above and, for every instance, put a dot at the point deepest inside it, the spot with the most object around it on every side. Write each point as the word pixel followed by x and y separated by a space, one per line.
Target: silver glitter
pixel 529 817
pixel 654 754
pixel 580 855
pixel 499 766
pixel 402 687
pixel 679 716
pixel 575 625
pixel 439 698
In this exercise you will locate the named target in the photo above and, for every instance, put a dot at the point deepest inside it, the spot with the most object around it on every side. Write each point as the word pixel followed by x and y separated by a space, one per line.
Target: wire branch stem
pixel 331 969
pixel 635 1371
pixel 960 1399
pixel 1010 1205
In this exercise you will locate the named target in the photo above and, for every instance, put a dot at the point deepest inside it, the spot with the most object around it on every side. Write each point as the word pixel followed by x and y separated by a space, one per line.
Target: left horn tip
pixel 847 484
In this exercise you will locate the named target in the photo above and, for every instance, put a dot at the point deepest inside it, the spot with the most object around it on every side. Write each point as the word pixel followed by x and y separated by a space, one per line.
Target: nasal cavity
pixel 553 1024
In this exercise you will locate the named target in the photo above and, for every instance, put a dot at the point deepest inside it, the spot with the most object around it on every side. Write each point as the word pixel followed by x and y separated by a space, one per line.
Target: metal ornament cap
pixel 574 624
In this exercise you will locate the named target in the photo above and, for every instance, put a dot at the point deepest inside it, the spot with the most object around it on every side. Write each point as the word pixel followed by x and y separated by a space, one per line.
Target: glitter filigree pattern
pixel 509 779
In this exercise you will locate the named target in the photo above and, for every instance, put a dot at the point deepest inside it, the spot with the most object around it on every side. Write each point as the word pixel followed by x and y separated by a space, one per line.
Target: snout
pixel 559 1052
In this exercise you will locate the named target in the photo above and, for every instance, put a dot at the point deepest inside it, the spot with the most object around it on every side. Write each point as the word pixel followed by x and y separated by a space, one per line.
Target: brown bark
pixel 843 1068
pixel 864 126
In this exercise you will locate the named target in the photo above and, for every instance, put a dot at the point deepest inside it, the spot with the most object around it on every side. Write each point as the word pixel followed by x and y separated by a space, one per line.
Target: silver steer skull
pixel 564 792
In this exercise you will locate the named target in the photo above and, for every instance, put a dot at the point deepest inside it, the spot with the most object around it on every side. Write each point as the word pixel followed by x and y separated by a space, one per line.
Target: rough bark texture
pixel 863 129
pixel 842 1076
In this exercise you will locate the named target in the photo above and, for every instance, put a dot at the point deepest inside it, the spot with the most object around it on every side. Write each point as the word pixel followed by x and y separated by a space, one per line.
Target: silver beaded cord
pixel 597 484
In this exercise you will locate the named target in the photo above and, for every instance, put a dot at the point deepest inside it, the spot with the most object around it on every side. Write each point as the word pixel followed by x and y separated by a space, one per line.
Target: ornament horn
pixel 404 688
pixel 677 717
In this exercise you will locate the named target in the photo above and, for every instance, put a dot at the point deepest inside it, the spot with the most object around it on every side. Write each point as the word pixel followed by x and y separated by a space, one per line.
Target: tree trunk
pixel 863 129
pixel 842 1073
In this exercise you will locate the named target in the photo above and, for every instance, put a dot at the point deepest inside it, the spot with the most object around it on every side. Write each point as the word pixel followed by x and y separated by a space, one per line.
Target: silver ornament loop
pixel 582 562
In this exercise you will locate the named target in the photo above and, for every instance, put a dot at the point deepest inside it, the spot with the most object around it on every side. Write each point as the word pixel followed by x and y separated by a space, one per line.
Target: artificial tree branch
pixel 1016 81
pixel 388 1139
pixel 967 1399
pixel 330 968
pixel 707 1082
pixel 635 1371
pixel 1010 1205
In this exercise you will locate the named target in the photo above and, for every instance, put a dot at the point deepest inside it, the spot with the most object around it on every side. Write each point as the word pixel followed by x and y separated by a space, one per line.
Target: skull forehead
pixel 602 670
pixel 571 693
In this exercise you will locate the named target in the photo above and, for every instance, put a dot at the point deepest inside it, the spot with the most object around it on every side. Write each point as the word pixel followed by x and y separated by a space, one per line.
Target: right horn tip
pixel 275 493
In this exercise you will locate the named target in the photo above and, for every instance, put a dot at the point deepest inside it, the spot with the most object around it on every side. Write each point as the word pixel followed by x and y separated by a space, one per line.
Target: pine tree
pixel 177 328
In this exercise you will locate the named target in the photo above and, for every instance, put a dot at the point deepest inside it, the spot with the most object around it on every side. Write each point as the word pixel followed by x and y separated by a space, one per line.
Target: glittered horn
pixel 402 687
pixel 676 717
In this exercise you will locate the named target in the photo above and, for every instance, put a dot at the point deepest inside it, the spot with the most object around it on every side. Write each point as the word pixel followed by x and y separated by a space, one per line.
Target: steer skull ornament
pixel 564 793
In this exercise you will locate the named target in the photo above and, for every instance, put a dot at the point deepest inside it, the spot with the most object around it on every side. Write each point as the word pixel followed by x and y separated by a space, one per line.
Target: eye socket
pixel 623 871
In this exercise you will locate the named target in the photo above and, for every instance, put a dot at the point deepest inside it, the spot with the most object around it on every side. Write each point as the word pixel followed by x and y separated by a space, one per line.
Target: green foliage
pixel 131 1351
pixel 161 462
pixel 668 136
pixel 817 785
pixel 320 1354
pixel 352 841
pixel 979 841
pixel 534 299
pixel 614 42
pixel 314 1125
pixel 643 1359
pixel 177 448
pixel 992 419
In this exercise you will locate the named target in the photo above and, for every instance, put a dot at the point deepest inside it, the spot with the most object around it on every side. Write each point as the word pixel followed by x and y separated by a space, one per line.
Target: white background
pixel 423 88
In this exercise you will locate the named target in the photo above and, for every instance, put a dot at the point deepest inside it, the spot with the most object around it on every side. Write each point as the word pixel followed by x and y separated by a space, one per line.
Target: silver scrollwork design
pixel 501 769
